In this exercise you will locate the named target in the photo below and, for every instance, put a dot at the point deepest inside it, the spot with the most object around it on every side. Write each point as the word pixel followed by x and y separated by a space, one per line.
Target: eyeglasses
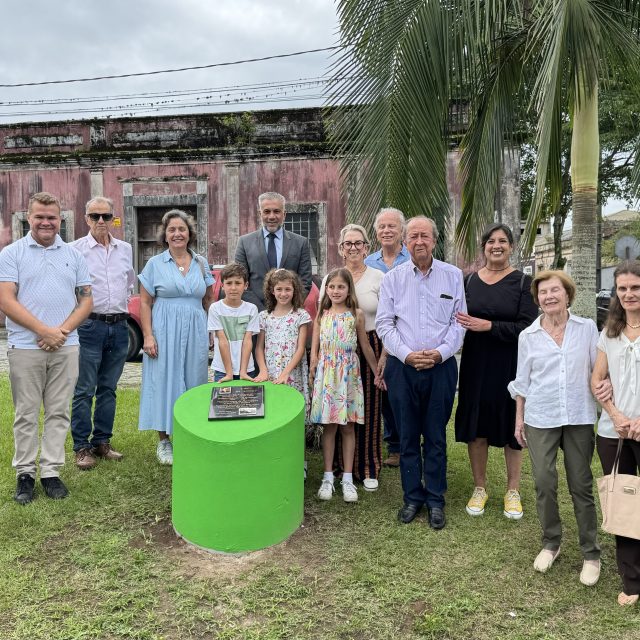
pixel 358 244
pixel 107 217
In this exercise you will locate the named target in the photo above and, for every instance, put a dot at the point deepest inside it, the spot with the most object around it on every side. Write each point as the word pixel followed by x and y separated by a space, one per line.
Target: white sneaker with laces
pixel 164 452
pixel 349 492
pixel 325 492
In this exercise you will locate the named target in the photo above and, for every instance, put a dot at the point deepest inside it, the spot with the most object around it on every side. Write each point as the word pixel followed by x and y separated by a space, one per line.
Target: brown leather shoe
pixel 85 459
pixel 106 451
pixel 393 460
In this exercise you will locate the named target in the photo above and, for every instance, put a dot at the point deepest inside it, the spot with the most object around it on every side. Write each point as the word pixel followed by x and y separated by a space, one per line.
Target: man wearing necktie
pixel 272 247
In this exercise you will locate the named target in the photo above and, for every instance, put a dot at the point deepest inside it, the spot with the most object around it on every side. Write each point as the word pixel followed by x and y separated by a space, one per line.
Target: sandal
pixel 624 600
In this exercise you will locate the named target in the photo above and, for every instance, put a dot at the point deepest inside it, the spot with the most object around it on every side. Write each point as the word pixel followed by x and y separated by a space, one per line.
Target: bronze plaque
pixel 246 401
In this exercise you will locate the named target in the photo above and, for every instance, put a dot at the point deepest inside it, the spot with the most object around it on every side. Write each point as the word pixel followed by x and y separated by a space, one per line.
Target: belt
pixel 109 318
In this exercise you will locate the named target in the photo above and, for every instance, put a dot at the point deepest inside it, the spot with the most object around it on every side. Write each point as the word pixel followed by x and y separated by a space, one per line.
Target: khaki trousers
pixel 41 378
pixel 577 442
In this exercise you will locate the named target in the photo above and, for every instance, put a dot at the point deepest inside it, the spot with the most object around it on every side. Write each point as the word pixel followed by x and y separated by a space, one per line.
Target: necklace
pixel 503 268
pixel 633 326
pixel 185 258
pixel 559 330
pixel 357 273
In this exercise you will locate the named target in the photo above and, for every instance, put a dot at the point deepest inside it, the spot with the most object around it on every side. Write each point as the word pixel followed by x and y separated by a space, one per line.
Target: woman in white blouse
pixel 353 246
pixel 554 408
pixel 619 358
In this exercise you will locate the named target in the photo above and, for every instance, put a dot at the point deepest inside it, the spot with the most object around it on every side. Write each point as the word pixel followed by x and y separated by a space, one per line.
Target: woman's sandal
pixel 624 600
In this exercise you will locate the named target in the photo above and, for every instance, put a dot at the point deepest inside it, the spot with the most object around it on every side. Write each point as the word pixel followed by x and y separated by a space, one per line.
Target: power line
pixel 152 73
pixel 276 84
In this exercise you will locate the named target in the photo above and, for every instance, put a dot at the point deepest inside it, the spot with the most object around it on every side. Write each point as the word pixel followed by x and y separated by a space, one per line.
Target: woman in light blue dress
pixel 176 288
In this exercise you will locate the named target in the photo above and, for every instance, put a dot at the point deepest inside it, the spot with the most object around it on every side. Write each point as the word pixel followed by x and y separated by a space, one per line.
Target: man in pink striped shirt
pixel 103 336
pixel 416 321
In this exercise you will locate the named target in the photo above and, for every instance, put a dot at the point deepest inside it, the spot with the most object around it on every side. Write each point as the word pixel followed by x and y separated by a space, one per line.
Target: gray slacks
pixel 41 378
pixel 577 442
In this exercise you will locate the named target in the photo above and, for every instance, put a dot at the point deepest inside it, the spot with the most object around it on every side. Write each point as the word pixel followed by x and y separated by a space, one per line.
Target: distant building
pixel 611 225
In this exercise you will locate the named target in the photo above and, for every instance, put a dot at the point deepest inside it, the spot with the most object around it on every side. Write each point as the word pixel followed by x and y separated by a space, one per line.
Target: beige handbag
pixel 620 501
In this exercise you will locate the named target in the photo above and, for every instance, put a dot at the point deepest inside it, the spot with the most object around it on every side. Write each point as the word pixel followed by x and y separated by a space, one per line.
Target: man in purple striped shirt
pixel 416 321
pixel 104 337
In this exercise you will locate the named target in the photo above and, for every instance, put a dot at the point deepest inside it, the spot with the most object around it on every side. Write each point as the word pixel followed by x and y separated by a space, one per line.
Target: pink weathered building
pixel 212 165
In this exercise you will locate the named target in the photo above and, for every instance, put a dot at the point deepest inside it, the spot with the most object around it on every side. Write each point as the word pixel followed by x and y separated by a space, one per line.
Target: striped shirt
pixel 47 278
pixel 418 312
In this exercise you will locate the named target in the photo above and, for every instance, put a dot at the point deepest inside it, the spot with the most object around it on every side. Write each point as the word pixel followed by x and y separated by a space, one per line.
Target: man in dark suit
pixel 272 247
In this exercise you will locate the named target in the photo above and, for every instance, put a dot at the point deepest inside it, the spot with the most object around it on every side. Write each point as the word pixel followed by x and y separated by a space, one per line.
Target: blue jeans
pixel 422 402
pixel 218 375
pixel 103 351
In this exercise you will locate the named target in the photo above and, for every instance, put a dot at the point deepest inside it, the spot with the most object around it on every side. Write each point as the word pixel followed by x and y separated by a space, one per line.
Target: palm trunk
pixel 585 156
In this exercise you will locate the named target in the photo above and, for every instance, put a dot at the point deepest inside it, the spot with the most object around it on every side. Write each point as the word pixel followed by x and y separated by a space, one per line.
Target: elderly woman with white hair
pixel 353 246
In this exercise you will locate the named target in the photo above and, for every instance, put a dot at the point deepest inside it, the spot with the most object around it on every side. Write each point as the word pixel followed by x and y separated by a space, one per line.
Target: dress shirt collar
pixel 279 233
pixel 536 325
pixel 57 243
pixel 93 242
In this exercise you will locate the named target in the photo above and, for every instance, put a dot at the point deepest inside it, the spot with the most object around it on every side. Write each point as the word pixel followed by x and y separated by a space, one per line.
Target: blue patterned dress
pixel 179 325
pixel 337 388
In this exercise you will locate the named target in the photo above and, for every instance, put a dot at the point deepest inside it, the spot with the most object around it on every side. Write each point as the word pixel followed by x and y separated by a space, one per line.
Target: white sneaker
pixel 164 452
pixel 325 492
pixel 370 484
pixel 349 492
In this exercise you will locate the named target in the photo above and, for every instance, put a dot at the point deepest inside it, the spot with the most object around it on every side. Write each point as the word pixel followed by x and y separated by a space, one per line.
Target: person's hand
pixel 226 378
pixel 634 430
pixel 380 383
pixel 150 347
pixel 263 376
pixel 52 338
pixel 603 391
pixel 433 356
pixel 418 360
pixel 470 323
pixel 281 379
pixel 520 435
pixel 621 424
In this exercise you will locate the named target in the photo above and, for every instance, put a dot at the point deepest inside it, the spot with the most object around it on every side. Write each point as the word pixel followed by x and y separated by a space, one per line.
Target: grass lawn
pixel 106 564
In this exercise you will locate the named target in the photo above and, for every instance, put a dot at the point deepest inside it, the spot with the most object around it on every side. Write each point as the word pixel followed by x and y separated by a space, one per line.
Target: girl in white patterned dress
pixel 281 346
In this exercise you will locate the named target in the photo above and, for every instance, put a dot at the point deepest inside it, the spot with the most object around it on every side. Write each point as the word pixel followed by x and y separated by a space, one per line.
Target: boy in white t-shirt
pixel 233 322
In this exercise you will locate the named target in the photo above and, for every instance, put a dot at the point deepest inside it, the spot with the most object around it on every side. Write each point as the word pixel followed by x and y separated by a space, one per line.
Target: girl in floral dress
pixel 338 400
pixel 281 346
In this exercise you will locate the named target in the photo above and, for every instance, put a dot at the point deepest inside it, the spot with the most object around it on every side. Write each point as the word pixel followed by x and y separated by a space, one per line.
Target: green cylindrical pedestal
pixel 238 485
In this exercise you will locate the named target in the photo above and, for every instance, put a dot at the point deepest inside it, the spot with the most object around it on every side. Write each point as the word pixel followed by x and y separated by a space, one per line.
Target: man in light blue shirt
pixel 389 225
pixel 45 292
pixel 416 321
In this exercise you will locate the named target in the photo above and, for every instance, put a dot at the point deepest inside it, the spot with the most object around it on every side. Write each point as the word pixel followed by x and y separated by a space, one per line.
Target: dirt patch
pixel 303 548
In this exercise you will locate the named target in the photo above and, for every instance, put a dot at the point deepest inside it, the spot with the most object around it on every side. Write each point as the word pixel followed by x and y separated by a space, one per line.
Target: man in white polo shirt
pixel 45 292
pixel 104 337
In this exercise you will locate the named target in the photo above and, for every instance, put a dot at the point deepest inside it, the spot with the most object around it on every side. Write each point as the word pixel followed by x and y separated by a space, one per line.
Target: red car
pixel 135 326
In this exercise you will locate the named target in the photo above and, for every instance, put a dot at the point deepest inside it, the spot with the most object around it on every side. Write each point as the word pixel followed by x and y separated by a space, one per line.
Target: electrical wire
pixel 152 73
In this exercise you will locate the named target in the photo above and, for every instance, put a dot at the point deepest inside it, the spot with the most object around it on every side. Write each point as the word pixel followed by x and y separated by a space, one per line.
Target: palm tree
pixel 416 74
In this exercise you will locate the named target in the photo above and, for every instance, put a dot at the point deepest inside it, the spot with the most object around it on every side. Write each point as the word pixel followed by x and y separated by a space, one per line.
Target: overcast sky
pixel 68 39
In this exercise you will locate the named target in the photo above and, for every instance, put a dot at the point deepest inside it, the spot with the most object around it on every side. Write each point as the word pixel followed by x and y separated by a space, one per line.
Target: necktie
pixel 272 256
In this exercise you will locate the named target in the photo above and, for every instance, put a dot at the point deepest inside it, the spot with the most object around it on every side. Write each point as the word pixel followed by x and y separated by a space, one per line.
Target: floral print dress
pixel 280 343
pixel 337 390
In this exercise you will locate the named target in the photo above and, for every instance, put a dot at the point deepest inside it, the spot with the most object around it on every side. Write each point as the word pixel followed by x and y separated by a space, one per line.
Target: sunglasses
pixel 107 217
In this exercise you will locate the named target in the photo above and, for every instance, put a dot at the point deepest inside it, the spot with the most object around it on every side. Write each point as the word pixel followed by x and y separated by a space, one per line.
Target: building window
pixel 20 226
pixel 303 220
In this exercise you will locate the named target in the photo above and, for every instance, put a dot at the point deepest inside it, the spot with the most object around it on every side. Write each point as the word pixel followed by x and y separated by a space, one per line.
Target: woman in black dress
pixel 500 306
